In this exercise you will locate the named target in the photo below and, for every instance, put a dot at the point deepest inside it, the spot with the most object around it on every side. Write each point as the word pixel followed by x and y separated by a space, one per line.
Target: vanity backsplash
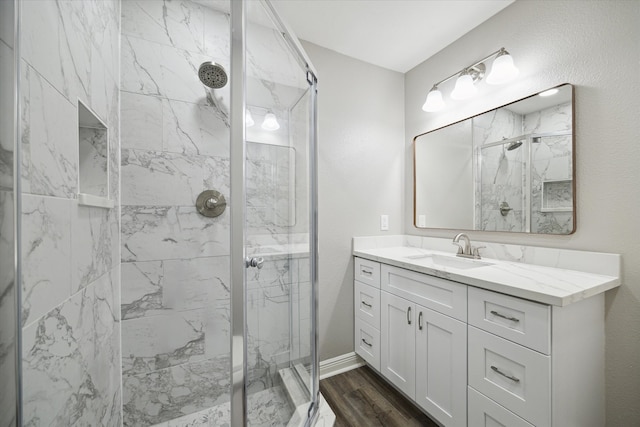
pixel 588 262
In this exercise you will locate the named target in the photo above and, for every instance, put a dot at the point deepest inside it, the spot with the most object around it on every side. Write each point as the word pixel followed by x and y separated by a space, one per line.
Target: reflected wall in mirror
pixel 509 169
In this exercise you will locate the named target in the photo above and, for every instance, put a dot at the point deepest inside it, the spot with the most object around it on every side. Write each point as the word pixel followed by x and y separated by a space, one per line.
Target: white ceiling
pixel 394 34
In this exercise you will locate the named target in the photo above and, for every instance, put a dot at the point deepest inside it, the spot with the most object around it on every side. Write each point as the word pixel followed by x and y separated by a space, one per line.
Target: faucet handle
pixel 476 251
pixel 460 247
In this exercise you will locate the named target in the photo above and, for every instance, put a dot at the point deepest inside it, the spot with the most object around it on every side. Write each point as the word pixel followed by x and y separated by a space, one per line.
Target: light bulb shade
pixel 248 119
pixel 502 70
pixel 270 122
pixel 434 101
pixel 464 87
pixel 549 92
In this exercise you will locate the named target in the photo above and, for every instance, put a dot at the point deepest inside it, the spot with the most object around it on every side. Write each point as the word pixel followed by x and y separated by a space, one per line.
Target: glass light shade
pixel 434 101
pixel 549 92
pixel 502 70
pixel 270 122
pixel 248 119
pixel 464 87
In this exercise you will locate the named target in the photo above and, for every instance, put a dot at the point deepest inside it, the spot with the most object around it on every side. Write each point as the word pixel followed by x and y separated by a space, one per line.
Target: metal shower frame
pixel 238 202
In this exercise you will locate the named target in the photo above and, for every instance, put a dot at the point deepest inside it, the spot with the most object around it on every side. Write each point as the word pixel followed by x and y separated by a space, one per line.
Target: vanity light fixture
pixel 502 71
pixel 270 122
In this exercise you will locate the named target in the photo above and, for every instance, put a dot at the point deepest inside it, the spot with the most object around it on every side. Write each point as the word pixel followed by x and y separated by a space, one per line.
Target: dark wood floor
pixel 361 398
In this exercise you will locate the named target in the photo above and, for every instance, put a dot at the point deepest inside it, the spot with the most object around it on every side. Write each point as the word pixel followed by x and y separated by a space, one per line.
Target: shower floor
pixel 266 408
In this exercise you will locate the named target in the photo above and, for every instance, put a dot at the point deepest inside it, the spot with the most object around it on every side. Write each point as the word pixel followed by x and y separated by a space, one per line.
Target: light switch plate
pixel 422 220
pixel 384 222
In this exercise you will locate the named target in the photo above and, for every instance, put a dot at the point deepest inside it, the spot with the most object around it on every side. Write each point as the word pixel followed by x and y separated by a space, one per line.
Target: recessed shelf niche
pixel 93 152
pixel 557 195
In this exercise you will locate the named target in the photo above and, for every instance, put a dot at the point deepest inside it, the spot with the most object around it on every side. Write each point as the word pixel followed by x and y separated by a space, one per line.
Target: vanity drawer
pixel 366 271
pixel 484 412
pixel 522 321
pixel 514 376
pixel 367 304
pixel 367 343
pixel 443 296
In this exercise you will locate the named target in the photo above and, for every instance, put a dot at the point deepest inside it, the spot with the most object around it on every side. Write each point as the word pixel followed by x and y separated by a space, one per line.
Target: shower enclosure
pixel 163 158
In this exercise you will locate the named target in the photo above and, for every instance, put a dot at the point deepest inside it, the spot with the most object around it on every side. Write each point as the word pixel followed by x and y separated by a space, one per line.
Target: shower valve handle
pixel 254 262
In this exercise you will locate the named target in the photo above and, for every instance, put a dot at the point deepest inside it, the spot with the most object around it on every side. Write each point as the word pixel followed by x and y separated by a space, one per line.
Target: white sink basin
pixel 450 261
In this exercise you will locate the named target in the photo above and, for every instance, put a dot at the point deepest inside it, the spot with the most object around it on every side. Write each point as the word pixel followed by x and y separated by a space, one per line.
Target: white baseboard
pixel 340 364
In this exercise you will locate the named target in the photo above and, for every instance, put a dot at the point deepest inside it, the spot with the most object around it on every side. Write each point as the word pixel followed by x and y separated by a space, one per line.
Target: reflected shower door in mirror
pixel 509 169
pixel 271 194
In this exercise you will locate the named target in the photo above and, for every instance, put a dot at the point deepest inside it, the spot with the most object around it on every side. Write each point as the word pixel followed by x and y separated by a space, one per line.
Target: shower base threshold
pixel 266 408
pixel 297 393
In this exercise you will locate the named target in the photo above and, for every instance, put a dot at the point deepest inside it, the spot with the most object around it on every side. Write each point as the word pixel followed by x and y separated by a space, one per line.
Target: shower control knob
pixel 211 203
pixel 254 262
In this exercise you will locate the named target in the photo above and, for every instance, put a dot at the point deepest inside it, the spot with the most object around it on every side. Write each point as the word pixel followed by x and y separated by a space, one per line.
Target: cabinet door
pixel 398 345
pixel 441 366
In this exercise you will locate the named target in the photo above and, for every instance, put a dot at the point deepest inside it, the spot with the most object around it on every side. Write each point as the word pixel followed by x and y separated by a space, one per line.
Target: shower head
pixel 212 75
pixel 514 145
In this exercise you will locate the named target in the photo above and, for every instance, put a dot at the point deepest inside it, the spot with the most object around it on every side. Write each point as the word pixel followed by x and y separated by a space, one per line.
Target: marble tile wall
pixel 93 164
pixel 70 253
pixel 551 160
pixel 175 262
pixel 8 309
pixel 270 187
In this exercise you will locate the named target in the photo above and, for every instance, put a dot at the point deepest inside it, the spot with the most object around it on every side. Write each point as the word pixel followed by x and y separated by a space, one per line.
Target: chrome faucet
pixel 466 250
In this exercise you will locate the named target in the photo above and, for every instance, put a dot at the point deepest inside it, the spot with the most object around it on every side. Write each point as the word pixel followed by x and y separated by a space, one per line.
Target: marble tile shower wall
pixel 551 159
pixel 71 268
pixel 175 263
pixel 8 317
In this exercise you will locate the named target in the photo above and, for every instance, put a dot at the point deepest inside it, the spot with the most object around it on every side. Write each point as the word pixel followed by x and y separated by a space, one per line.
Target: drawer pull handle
pixel 409 315
pixel 512 378
pixel 513 319
pixel 368 273
pixel 420 321
pixel 368 305
pixel 365 341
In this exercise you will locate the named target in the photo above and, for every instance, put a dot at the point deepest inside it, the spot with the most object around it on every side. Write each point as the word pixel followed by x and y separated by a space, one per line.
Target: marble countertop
pixel 548 285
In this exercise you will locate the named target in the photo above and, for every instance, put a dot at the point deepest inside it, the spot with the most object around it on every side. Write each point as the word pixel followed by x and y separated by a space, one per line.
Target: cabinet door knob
pixel 420 321
pixel 365 341
pixel 409 315
pixel 364 303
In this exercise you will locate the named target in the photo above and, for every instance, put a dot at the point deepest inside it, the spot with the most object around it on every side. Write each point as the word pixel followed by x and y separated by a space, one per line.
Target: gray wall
pixel 595 46
pixel 360 161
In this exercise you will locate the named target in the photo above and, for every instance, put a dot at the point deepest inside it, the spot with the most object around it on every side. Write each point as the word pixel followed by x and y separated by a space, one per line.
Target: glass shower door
pixel 278 232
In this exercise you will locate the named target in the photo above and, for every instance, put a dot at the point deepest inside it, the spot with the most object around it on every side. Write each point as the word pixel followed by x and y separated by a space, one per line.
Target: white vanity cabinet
pixel 367 311
pixel 473 357
pixel 535 364
pixel 421 351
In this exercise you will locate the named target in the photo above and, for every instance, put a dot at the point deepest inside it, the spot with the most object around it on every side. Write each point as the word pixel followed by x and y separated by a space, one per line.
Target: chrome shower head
pixel 514 145
pixel 212 75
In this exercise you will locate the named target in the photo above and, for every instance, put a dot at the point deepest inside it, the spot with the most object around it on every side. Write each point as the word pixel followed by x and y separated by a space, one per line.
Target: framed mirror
pixel 509 169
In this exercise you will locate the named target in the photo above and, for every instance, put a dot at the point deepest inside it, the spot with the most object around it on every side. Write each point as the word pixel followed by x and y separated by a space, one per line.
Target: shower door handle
pixel 254 262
